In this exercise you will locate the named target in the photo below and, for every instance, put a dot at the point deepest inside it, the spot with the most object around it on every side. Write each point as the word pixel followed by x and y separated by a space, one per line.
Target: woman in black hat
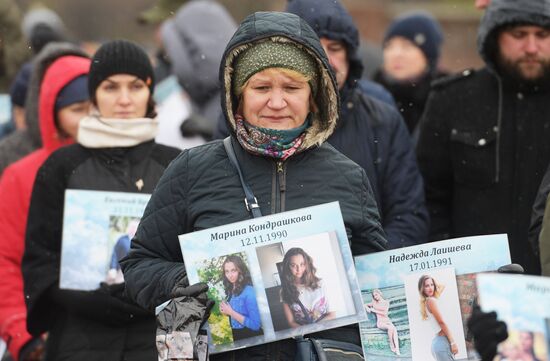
pixel 115 152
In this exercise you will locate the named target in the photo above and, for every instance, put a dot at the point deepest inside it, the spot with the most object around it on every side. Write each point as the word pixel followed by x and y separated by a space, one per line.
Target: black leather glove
pixel 511 268
pixel 107 304
pixel 182 291
pixel 488 332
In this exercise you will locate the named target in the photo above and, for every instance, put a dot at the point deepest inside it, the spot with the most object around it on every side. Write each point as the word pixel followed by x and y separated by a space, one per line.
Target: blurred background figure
pixel 13 53
pixel 412 46
pixel 13 48
pixel 370 132
pixel 482 4
pixel 194 40
pixel 40 27
pixel 156 15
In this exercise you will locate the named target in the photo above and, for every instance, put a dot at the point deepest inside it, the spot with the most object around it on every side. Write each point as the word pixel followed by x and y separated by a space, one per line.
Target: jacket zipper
pixel 280 187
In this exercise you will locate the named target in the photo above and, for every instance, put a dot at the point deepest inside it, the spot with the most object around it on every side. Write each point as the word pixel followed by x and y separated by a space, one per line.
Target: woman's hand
pixel 368 309
pixel 226 308
pixel 454 348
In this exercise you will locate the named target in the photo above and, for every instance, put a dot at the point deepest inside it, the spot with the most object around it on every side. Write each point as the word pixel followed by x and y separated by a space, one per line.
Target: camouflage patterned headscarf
pixel 274 54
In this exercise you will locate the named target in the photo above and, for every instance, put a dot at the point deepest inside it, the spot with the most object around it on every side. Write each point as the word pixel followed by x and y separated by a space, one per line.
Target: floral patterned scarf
pixel 274 143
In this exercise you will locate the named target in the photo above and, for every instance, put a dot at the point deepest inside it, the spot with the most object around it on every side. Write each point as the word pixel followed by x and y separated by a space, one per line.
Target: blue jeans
pixel 441 349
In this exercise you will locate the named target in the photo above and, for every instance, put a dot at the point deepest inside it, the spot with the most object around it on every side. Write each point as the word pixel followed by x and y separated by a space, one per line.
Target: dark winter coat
pixel 85 325
pixel 483 146
pixel 410 96
pixel 201 188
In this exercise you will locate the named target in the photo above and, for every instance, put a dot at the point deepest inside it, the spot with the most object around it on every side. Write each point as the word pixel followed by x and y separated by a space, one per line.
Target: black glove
pixel 182 292
pixel 107 304
pixel 488 332
pixel 511 268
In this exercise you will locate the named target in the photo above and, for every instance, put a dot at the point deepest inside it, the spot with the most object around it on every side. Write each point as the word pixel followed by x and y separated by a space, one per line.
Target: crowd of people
pixel 414 154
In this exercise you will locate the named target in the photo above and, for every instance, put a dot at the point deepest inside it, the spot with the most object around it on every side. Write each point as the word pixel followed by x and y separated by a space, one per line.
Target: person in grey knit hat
pixel 281 102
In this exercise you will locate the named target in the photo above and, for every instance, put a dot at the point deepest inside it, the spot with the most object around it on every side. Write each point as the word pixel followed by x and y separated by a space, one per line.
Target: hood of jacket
pixel 194 40
pixel 330 19
pixel 506 12
pixel 43 130
pixel 60 73
pixel 283 27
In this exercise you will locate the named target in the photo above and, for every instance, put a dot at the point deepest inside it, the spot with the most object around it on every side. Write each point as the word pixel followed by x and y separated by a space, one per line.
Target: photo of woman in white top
pixel 444 346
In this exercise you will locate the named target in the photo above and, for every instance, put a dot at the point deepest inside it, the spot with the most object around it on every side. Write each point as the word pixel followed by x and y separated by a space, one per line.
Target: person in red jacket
pixel 59 83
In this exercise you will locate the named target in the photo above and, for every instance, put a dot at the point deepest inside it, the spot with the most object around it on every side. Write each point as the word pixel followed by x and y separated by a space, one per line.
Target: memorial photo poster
pixel 97 229
pixel 275 277
pixel 390 283
pixel 523 303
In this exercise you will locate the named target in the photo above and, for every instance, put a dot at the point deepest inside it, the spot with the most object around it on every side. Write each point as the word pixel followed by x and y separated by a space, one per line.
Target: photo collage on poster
pixel 522 302
pixel 406 290
pixel 111 220
pixel 275 277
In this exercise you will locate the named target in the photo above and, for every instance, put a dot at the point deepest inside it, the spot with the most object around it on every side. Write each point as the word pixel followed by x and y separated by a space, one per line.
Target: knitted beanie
pixel 120 57
pixel 73 92
pixel 272 53
pixel 422 30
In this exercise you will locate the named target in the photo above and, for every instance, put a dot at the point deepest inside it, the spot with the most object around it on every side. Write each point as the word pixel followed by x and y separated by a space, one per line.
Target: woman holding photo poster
pixel 241 305
pixel 443 345
pixel 115 152
pixel 280 100
pixel 304 297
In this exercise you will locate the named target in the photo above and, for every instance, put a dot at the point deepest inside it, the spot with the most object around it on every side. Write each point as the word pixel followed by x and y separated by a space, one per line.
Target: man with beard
pixel 485 134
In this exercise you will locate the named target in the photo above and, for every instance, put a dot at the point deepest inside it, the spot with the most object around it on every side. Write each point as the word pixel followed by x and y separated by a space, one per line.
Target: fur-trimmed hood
pixel 505 12
pixel 41 63
pixel 283 27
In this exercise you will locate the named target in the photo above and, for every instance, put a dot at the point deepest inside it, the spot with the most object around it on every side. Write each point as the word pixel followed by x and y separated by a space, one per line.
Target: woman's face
pixel 276 101
pixel 231 272
pixel 68 117
pixel 403 60
pixel 122 96
pixel 526 341
pixel 428 288
pixel 297 266
pixel 376 296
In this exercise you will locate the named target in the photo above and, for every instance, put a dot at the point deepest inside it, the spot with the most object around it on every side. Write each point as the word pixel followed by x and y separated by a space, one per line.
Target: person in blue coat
pixel 370 133
pixel 240 305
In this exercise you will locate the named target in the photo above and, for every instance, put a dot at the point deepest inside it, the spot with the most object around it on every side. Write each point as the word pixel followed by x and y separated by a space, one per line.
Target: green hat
pixel 160 12
pixel 274 54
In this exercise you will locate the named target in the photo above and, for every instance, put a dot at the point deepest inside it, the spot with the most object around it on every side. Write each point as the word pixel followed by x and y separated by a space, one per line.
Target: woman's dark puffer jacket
pixel 201 188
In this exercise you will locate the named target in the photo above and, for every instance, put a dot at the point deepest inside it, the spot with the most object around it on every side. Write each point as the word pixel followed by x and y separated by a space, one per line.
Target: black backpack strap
pixel 250 201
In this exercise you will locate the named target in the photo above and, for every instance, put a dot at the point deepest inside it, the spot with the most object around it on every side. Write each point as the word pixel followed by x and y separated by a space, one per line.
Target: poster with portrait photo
pixel 324 275
pixel 386 271
pixel 235 315
pixel 305 281
pixel 97 230
pixel 522 302
pixel 432 301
